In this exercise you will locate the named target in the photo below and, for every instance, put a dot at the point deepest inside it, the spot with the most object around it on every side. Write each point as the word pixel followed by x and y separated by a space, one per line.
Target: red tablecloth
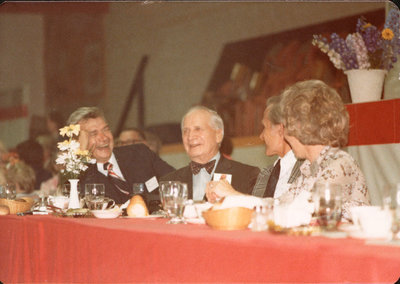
pixel 53 249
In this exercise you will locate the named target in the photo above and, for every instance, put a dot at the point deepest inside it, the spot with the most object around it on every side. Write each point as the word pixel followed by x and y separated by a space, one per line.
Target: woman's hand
pixel 218 189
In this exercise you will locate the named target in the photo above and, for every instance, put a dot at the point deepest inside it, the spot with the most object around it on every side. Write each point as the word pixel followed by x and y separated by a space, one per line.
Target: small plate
pixel 146 217
pixel 195 220
pixel 106 214
pixel 364 236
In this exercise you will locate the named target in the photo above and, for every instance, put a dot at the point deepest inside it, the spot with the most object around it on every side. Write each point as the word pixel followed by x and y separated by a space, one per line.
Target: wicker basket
pixel 17 206
pixel 235 218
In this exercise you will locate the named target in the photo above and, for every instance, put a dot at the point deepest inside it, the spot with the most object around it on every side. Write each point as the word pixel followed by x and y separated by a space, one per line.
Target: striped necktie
pixel 116 179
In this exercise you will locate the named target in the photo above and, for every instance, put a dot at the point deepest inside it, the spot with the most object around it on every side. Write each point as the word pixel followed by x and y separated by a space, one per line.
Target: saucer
pixel 106 214
pixel 365 236
pixel 145 217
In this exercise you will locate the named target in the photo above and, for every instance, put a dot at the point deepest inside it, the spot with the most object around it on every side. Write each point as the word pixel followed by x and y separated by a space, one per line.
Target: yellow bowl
pixel 235 218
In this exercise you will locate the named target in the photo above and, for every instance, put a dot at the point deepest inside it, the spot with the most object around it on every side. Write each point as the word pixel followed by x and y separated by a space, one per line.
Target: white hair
pixel 215 122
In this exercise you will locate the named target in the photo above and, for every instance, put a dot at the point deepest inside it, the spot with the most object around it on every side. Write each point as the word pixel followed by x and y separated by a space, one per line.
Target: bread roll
pixel 137 207
pixel 4 210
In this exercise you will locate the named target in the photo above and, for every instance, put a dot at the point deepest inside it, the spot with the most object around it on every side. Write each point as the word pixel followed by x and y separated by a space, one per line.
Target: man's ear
pixel 281 130
pixel 220 136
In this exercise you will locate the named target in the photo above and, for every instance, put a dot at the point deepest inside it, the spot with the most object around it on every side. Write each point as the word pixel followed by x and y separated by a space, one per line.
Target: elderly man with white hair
pixel 202 133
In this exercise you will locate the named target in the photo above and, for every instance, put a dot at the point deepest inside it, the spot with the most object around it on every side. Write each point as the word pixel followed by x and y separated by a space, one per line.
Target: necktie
pixel 196 167
pixel 116 179
pixel 273 180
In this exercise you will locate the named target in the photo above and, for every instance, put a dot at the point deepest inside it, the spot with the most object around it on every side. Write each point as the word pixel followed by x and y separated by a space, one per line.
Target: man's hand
pixel 84 140
pixel 218 189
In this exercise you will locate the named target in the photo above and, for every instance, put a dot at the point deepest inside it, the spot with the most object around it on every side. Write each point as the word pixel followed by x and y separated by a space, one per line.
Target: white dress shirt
pixel 116 169
pixel 287 163
pixel 201 179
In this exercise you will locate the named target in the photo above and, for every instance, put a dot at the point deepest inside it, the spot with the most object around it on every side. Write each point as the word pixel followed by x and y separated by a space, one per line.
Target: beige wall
pixel 185 40
pixel 21 67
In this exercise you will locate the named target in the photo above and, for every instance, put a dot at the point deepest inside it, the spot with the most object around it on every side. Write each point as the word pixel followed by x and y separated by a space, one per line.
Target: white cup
pixel 373 221
pixel 59 201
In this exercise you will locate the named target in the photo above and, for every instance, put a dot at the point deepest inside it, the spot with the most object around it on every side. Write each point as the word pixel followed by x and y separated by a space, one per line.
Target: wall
pixel 184 42
pixel 21 67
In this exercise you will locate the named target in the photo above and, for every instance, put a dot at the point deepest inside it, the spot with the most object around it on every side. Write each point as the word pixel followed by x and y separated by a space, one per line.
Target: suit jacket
pixel 243 176
pixel 138 164
pixel 263 177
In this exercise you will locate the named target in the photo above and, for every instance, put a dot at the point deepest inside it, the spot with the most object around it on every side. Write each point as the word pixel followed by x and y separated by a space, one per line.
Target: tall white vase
pixel 365 85
pixel 73 194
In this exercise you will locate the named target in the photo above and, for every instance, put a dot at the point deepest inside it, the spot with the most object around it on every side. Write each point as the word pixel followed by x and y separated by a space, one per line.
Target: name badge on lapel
pixel 151 184
pixel 218 177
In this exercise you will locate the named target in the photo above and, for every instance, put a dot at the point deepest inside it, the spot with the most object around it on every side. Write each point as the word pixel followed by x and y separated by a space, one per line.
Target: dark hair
pixel 31 152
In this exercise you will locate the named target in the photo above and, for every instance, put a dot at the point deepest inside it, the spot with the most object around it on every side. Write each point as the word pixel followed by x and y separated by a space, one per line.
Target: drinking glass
pixel 138 188
pixel 328 204
pixel 163 187
pixel 94 196
pixel 391 202
pixel 174 199
pixel 8 191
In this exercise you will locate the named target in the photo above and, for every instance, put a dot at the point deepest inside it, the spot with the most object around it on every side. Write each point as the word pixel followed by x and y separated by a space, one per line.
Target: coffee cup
pixel 59 201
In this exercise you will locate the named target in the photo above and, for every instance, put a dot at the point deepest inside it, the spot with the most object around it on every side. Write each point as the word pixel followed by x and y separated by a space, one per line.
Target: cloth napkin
pixel 294 213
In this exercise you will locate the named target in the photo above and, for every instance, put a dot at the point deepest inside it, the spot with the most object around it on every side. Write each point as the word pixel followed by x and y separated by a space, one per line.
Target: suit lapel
pixel 223 165
pixel 186 175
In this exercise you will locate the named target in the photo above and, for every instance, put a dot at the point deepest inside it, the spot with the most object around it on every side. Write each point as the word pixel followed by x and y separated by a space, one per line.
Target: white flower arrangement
pixel 73 159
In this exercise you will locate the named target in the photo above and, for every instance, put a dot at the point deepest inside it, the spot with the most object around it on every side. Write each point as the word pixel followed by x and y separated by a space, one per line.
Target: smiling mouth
pixel 102 147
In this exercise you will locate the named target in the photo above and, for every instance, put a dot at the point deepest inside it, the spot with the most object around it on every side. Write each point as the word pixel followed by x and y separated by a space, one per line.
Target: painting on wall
pixel 250 71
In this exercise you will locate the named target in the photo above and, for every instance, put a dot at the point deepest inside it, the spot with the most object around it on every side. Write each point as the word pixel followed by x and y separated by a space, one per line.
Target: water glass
pixel 8 191
pixel 328 204
pixel 391 202
pixel 138 188
pixel 94 195
pixel 163 186
pixel 174 195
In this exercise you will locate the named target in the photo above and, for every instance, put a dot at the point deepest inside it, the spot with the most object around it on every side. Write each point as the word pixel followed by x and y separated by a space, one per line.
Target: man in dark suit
pixel 276 179
pixel 202 133
pixel 118 169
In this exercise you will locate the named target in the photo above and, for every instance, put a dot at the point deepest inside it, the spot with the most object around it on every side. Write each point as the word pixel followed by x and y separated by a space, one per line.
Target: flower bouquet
pixel 74 161
pixel 365 56
pixel 367 48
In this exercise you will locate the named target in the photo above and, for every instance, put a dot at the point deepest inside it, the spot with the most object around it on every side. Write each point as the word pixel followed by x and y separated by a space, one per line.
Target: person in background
pixel 316 125
pixel 49 146
pixel 274 180
pixel 202 133
pixel 55 121
pixel 226 148
pixel 153 141
pixel 31 152
pixel 23 177
pixel 120 167
pixel 131 136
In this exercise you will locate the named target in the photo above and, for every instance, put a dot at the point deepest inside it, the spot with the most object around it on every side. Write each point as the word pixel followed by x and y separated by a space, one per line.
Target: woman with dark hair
pixel 31 152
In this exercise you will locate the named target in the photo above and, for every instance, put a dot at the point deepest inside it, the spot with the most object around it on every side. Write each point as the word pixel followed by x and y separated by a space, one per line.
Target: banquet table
pixel 44 248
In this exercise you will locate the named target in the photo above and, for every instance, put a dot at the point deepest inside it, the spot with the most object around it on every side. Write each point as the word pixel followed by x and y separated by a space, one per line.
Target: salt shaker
pixel 259 220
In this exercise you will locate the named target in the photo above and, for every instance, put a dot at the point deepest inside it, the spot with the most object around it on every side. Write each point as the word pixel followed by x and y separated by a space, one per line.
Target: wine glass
pixel 328 204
